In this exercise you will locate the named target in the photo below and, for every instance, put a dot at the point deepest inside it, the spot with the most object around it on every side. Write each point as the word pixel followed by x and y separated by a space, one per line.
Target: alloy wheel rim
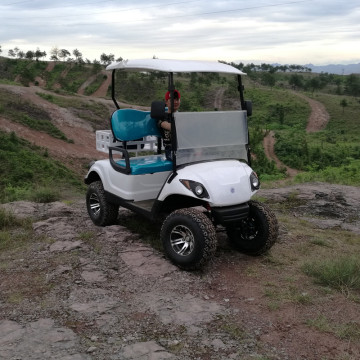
pixel 182 240
pixel 94 204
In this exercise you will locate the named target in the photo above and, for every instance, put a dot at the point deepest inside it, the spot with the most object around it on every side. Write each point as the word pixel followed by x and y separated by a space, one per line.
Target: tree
pixel 268 79
pixel 11 53
pixel 343 103
pixel 338 83
pixel 29 55
pixel 63 54
pixel 54 53
pixel 0 49
pixel 96 66
pixel 279 112
pixel 283 68
pixel 296 80
pixel 78 56
pixel 39 54
pixel 107 59
pixel 352 85
pixel 21 55
pixel 313 84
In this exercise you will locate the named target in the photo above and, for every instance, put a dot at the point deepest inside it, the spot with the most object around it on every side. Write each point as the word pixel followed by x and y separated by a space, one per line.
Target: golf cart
pixel 207 184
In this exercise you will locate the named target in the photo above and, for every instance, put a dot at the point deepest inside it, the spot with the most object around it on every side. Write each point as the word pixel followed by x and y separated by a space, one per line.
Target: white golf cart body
pixel 209 168
pixel 205 154
pixel 210 149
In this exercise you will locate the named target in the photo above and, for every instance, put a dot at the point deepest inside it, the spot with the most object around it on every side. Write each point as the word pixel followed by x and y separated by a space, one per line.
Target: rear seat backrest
pixel 132 124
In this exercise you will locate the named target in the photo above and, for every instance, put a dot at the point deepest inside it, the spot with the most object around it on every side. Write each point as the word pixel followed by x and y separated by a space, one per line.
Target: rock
pixel 145 351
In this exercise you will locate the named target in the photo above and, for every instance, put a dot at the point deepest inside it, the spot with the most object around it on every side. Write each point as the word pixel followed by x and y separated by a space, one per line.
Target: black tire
pixel 189 238
pixel 257 233
pixel 101 212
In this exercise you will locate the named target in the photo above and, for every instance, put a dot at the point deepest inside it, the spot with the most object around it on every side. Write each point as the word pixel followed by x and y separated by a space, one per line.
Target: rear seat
pixel 130 125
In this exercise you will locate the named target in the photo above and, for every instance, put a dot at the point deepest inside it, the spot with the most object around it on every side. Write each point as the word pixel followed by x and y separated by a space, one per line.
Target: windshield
pixel 211 136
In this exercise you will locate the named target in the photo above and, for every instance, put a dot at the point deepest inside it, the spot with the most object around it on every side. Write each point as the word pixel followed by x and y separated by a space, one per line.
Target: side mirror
pixel 158 110
pixel 248 107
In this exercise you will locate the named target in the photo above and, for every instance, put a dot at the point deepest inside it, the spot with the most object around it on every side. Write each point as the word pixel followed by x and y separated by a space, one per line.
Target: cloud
pixel 269 30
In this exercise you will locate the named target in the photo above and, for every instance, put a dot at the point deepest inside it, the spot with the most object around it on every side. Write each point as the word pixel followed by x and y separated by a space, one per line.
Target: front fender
pixel 226 181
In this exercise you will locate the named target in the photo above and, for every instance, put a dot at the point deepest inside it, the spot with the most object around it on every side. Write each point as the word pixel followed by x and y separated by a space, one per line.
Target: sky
pixel 319 32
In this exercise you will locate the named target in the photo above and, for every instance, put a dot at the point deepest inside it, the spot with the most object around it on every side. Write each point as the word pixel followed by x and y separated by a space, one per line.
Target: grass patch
pixel 45 195
pixel 96 113
pixel 24 285
pixel 14 231
pixel 100 78
pixel 16 109
pixel 86 236
pixel 27 173
pixel 279 295
pixel 342 274
pixel 9 220
pixel 345 331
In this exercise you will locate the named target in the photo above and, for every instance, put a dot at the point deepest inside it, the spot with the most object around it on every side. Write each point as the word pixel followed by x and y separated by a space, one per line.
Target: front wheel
pixel 101 212
pixel 257 233
pixel 189 238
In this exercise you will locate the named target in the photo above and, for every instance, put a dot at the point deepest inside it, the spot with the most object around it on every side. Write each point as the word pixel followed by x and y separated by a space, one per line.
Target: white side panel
pixel 129 187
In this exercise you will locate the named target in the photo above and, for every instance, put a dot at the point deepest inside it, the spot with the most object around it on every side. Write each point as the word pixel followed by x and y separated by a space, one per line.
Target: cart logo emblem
pixel 232 190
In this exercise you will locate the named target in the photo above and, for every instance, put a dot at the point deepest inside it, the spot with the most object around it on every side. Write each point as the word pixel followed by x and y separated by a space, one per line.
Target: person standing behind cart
pixel 165 124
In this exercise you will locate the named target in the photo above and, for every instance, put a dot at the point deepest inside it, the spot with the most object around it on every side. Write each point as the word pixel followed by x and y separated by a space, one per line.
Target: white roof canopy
pixel 174 66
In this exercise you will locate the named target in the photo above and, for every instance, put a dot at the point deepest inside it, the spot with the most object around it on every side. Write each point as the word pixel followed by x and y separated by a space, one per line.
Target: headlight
pixel 197 188
pixel 254 181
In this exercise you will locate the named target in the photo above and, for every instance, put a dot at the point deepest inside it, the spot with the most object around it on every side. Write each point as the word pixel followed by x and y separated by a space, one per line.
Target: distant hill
pixel 335 69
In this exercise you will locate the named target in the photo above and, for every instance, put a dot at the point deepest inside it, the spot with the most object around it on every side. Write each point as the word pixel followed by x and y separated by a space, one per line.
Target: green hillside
pixel 28 173
pixel 331 155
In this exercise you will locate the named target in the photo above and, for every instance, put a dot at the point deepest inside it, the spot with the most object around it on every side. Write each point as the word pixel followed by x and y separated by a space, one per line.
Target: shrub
pixel 45 195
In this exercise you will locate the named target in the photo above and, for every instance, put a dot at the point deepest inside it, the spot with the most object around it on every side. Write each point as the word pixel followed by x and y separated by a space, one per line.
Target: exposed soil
pixel 77 291
pixel 269 149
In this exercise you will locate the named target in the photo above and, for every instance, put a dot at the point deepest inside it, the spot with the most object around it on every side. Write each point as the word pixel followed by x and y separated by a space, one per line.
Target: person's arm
pixel 165 125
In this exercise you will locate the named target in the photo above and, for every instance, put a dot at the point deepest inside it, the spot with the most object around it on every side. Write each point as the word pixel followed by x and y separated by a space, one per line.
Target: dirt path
pixel 317 121
pixel 269 149
pixel 319 117
pixel 219 98
pixel 84 85
pixel 102 90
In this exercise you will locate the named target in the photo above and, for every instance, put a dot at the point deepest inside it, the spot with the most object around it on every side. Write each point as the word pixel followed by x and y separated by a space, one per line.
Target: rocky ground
pixel 77 291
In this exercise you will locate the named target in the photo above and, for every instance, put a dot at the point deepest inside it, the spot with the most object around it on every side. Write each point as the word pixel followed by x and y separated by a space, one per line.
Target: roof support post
pixel 241 91
pixel 113 89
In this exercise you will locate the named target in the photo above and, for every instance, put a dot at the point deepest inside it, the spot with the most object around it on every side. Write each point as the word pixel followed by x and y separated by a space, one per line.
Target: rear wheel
pixel 257 233
pixel 189 238
pixel 101 212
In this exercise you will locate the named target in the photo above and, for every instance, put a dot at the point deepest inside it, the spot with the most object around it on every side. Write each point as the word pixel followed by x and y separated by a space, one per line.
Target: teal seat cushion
pixel 132 124
pixel 148 164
